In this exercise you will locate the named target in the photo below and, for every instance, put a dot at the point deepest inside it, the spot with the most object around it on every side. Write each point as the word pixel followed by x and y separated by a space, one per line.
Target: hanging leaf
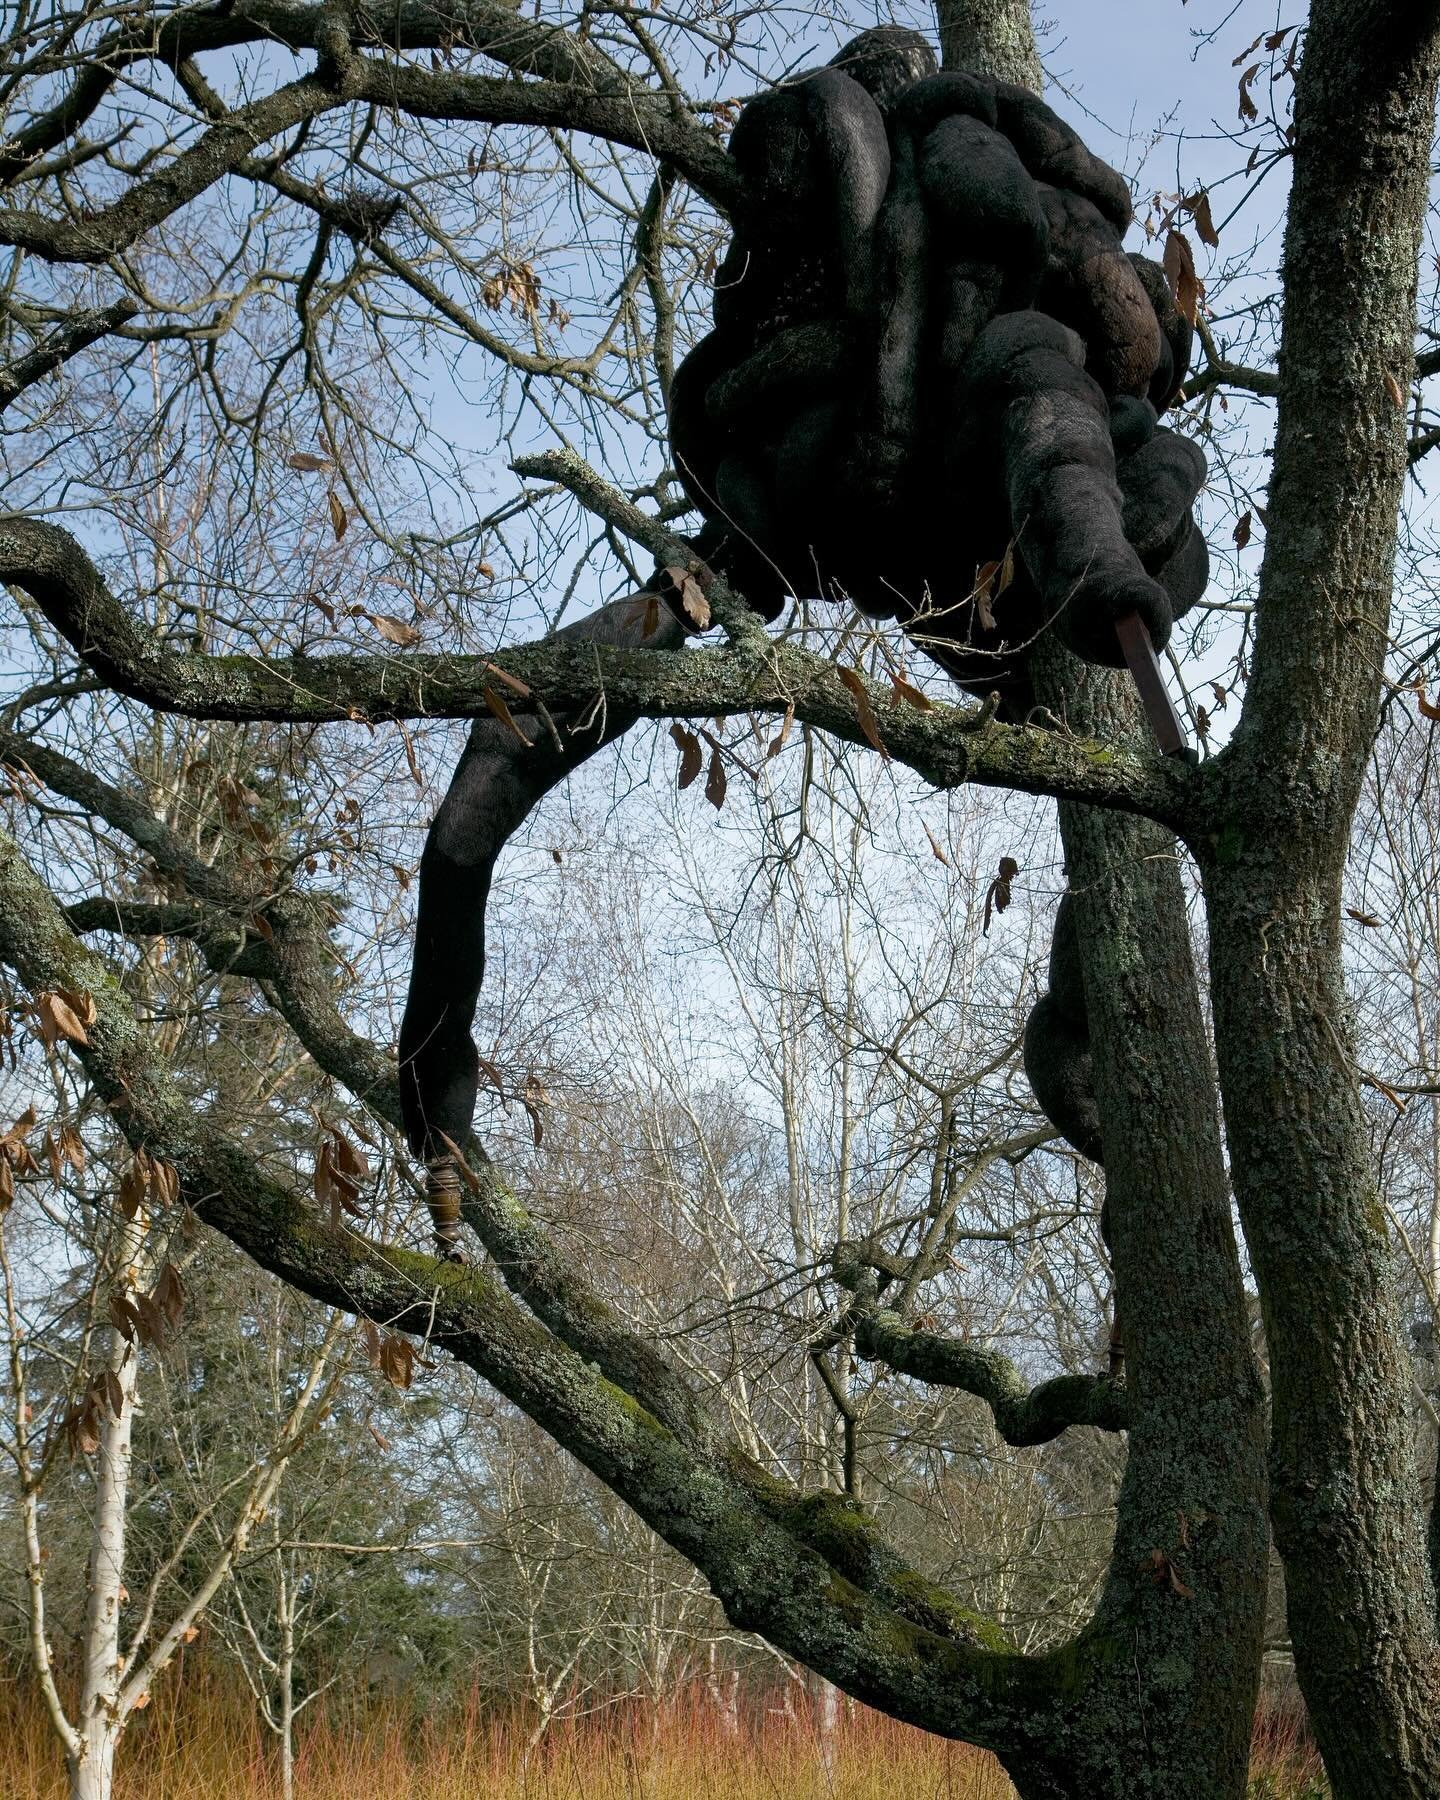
pixel 124 1317
pixel 935 849
pixel 335 1189
pixel 777 743
pixel 690 594
pixel 997 895
pixel 495 701
pixel 152 1322
pixel 169 1296
pixel 645 613
pixel 715 781
pixel 1204 222
pixel 513 682
pixel 1242 530
pixel 393 630
pixel 397 1360
pixel 135 1184
pixel 164 1181
pixel 59 1018
pixel 688 745
pixel 911 695
pixel 1186 287
pixel 1395 391
pixel 462 1168
pixel 854 681
pixel 338 516
pixel 347 1158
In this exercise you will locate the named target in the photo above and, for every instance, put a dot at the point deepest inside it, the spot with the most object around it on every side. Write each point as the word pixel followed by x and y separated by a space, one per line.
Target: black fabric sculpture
pixel 930 353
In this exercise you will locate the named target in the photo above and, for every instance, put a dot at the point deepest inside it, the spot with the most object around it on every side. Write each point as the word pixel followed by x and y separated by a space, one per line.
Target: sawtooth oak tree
pixel 173 173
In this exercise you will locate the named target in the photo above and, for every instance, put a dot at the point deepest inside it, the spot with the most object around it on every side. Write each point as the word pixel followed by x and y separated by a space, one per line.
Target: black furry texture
pixel 932 353
pixel 930 347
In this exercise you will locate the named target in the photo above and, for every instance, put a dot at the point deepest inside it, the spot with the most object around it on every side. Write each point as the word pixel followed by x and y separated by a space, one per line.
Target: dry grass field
pixel 204 1739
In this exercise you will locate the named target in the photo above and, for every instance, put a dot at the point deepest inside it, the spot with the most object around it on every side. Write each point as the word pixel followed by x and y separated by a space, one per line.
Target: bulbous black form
pixel 931 354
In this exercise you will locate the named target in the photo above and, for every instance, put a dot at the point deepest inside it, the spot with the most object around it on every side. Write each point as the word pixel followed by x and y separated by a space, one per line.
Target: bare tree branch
pixel 946 745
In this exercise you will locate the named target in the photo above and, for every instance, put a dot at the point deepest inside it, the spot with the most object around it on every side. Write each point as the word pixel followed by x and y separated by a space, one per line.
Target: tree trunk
pixel 99 1720
pixel 1348 1518
pixel 994 37
pixel 285 1677
pixel 1176 1642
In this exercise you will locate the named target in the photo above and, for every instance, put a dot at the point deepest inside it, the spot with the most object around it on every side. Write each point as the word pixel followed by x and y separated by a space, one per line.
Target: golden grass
pixel 202 1738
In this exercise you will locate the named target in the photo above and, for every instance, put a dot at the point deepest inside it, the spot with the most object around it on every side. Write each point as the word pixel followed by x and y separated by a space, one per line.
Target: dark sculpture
pixel 930 354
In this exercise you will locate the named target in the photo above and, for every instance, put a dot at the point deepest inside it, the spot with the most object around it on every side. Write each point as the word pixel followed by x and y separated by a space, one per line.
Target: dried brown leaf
pixel 462 1168
pixel 169 1295
pixel 777 743
pixel 394 631
pixel 495 701
pixel 513 682
pixel 691 595
pixel 908 692
pixel 854 682
pixel 1186 287
pixel 58 1018
pixel 1204 221
pixel 688 745
pixel 412 760
pixel 715 781
pixel 134 1184
pixel 997 895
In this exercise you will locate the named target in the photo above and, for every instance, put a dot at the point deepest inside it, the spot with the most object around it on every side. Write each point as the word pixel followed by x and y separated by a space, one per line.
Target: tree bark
pixel 1347 1511
pixel 1186 1590
pixel 995 37
pixel 100 1716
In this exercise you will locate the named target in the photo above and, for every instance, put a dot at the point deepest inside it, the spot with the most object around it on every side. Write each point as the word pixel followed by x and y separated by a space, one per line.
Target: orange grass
pixel 201 1737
